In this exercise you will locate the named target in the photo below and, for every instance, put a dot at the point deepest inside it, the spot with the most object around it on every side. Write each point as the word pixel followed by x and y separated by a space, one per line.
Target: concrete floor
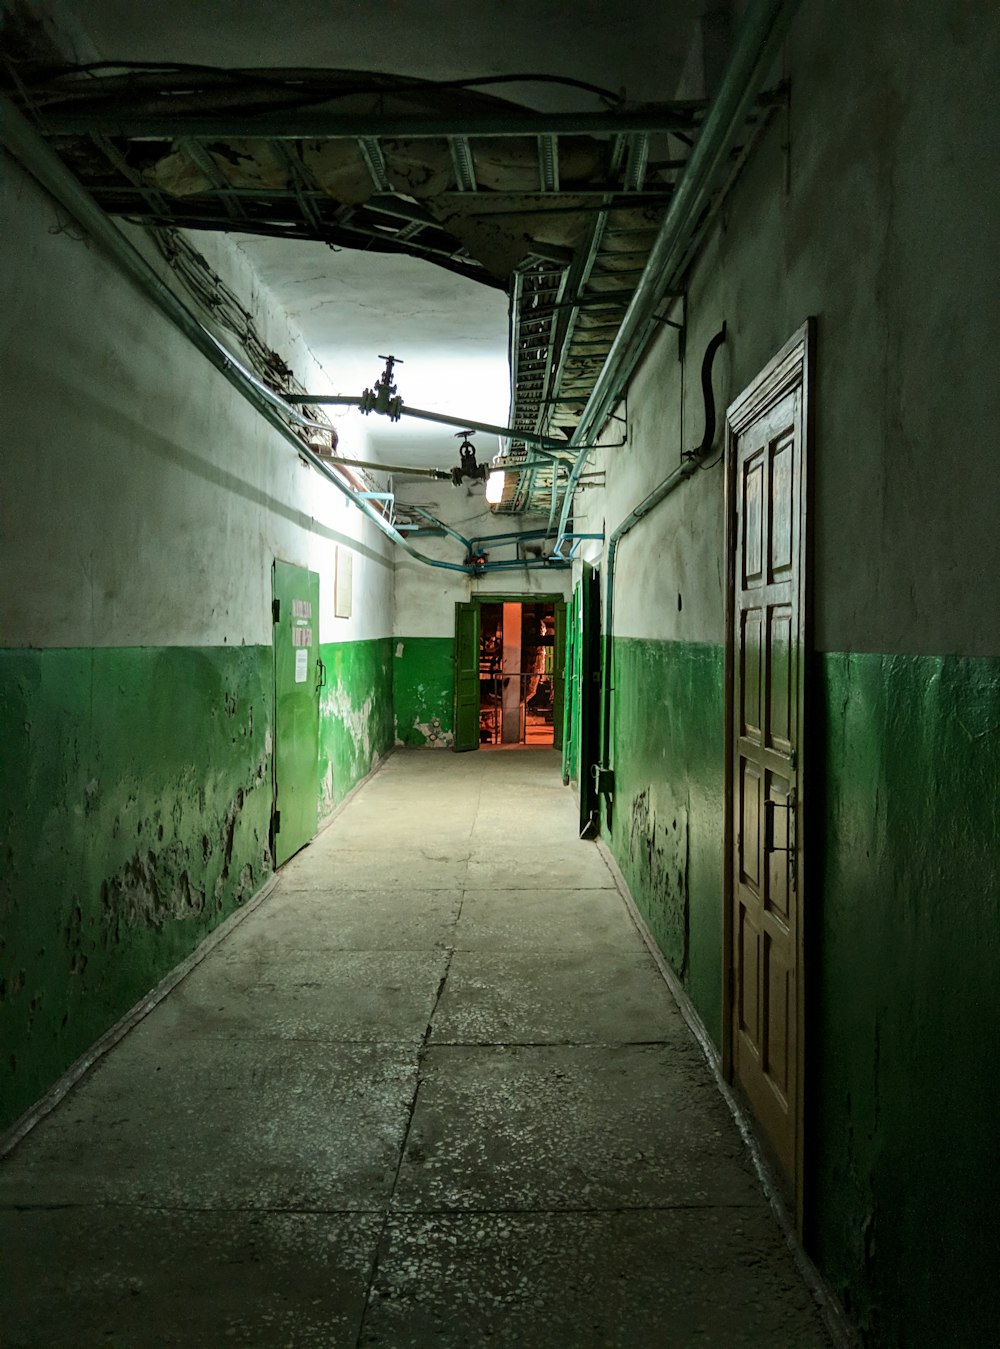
pixel 433 1092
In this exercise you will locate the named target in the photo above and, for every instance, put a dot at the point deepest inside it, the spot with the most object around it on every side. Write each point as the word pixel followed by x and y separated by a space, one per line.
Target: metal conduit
pixel 322 123
pixel 762 30
pixel 43 164
pixel 543 444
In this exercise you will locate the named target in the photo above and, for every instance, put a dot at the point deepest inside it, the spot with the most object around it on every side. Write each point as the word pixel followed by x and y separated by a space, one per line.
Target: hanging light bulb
pixel 494 488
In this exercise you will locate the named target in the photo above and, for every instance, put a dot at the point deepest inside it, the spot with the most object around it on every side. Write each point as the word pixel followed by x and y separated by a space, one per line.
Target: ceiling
pixel 530 243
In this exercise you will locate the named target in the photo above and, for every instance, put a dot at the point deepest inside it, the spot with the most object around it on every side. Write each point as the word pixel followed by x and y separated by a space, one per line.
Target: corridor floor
pixel 432 1092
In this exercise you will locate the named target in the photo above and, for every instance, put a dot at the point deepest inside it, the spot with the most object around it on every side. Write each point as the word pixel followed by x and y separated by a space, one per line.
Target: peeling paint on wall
pixel 424 691
pixel 355 715
pixel 136 784
pixel 434 736
pixel 658 859
pixel 668 809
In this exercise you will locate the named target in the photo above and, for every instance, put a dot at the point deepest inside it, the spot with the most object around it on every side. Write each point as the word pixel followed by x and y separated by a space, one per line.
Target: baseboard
pixel 838 1327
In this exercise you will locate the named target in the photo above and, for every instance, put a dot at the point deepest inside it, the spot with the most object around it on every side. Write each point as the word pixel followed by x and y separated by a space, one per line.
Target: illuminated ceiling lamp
pixel 494 487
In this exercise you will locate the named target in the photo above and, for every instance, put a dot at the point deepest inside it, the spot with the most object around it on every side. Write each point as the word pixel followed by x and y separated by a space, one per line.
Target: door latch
pixel 788 849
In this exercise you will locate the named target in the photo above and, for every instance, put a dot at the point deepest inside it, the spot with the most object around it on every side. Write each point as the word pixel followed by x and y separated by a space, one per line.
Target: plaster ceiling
pixel 351 306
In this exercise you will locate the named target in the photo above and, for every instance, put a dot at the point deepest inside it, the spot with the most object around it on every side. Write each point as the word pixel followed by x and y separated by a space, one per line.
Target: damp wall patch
pixel 137 791
pixel 355 715
pixel 424 691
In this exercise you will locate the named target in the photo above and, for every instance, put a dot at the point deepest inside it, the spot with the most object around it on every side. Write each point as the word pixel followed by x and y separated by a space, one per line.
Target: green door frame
pixel 467 665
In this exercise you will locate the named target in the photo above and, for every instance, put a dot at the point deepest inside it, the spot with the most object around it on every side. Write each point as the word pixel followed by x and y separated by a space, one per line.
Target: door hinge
pixel 276 611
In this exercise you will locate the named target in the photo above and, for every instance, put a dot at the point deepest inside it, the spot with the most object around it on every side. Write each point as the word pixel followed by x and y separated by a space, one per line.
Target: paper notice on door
pixel 301 665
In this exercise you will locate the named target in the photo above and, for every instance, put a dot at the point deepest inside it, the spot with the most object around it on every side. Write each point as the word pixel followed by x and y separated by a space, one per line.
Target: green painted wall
pixel 904 1064
pixel 424 690
pixel 903 905
pixel 137 791
pixel 666 831
pixel 355 715
pixel 136 785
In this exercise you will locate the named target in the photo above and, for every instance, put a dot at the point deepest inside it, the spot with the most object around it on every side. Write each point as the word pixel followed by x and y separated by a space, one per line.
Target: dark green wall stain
pixel 666 835
pixel 355 715
pixel 902 905
pixel 424 690
pixel 903 1062
pixel 136 785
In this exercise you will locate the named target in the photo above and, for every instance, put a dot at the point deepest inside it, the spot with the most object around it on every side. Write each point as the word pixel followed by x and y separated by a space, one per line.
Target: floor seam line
pixel 387 1208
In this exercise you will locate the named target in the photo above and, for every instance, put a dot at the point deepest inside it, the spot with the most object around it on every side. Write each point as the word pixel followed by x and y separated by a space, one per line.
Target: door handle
pixel 320 674
pixel 769 808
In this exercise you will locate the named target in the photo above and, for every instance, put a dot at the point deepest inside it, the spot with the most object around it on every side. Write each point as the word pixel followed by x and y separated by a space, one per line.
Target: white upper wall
pixel 144 500
pixel 425 596
pixel 872 204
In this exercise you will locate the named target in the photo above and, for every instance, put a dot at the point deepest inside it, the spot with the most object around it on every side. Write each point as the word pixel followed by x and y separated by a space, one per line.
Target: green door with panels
pixel 466 676
pixel 559 673
pixel 590 697
pixel 298 675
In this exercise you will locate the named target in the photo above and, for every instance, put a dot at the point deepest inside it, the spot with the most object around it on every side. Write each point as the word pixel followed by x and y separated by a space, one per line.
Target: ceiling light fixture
pixel 494 487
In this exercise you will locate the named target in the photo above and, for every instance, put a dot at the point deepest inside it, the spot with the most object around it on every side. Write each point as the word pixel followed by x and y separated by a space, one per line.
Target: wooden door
pixel 767 468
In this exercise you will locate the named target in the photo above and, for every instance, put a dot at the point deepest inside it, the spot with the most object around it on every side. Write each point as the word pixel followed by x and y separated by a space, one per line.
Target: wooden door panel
pixel 777 841
pixel 780 553
pixel 780 690
pixel 777 1005
pixel 751 652
pixel 750 834
pixel 748 1005
pixel 753 518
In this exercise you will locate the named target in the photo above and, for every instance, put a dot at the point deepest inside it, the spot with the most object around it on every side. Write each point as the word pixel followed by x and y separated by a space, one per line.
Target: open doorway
pixel 509 654
pixel 517 673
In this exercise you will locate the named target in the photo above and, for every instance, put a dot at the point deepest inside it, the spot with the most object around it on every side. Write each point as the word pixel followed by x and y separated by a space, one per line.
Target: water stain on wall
pixel 658 854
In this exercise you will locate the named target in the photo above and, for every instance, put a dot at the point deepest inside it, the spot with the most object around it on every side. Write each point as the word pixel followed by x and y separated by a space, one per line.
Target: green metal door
pixel 297 675
pixel 590 697
pixel 571 690
pixel 466 676
pixel 559 674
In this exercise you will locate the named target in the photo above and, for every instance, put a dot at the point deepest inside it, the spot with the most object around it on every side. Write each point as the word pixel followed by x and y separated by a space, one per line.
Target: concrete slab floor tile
pixel 455 843
pixel 657 1280
pixel 149 1277
pixel 375 996
pixel 527 920
pixel 562 997
pixel 408 868
pixel 521 868
pixel 195 1123
pixel 571 1127
pixel 416 802
pixel 534 829
pixel 375 920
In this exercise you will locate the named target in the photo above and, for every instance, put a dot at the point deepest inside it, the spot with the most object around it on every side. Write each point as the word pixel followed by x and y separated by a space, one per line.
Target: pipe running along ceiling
pixel 564 211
